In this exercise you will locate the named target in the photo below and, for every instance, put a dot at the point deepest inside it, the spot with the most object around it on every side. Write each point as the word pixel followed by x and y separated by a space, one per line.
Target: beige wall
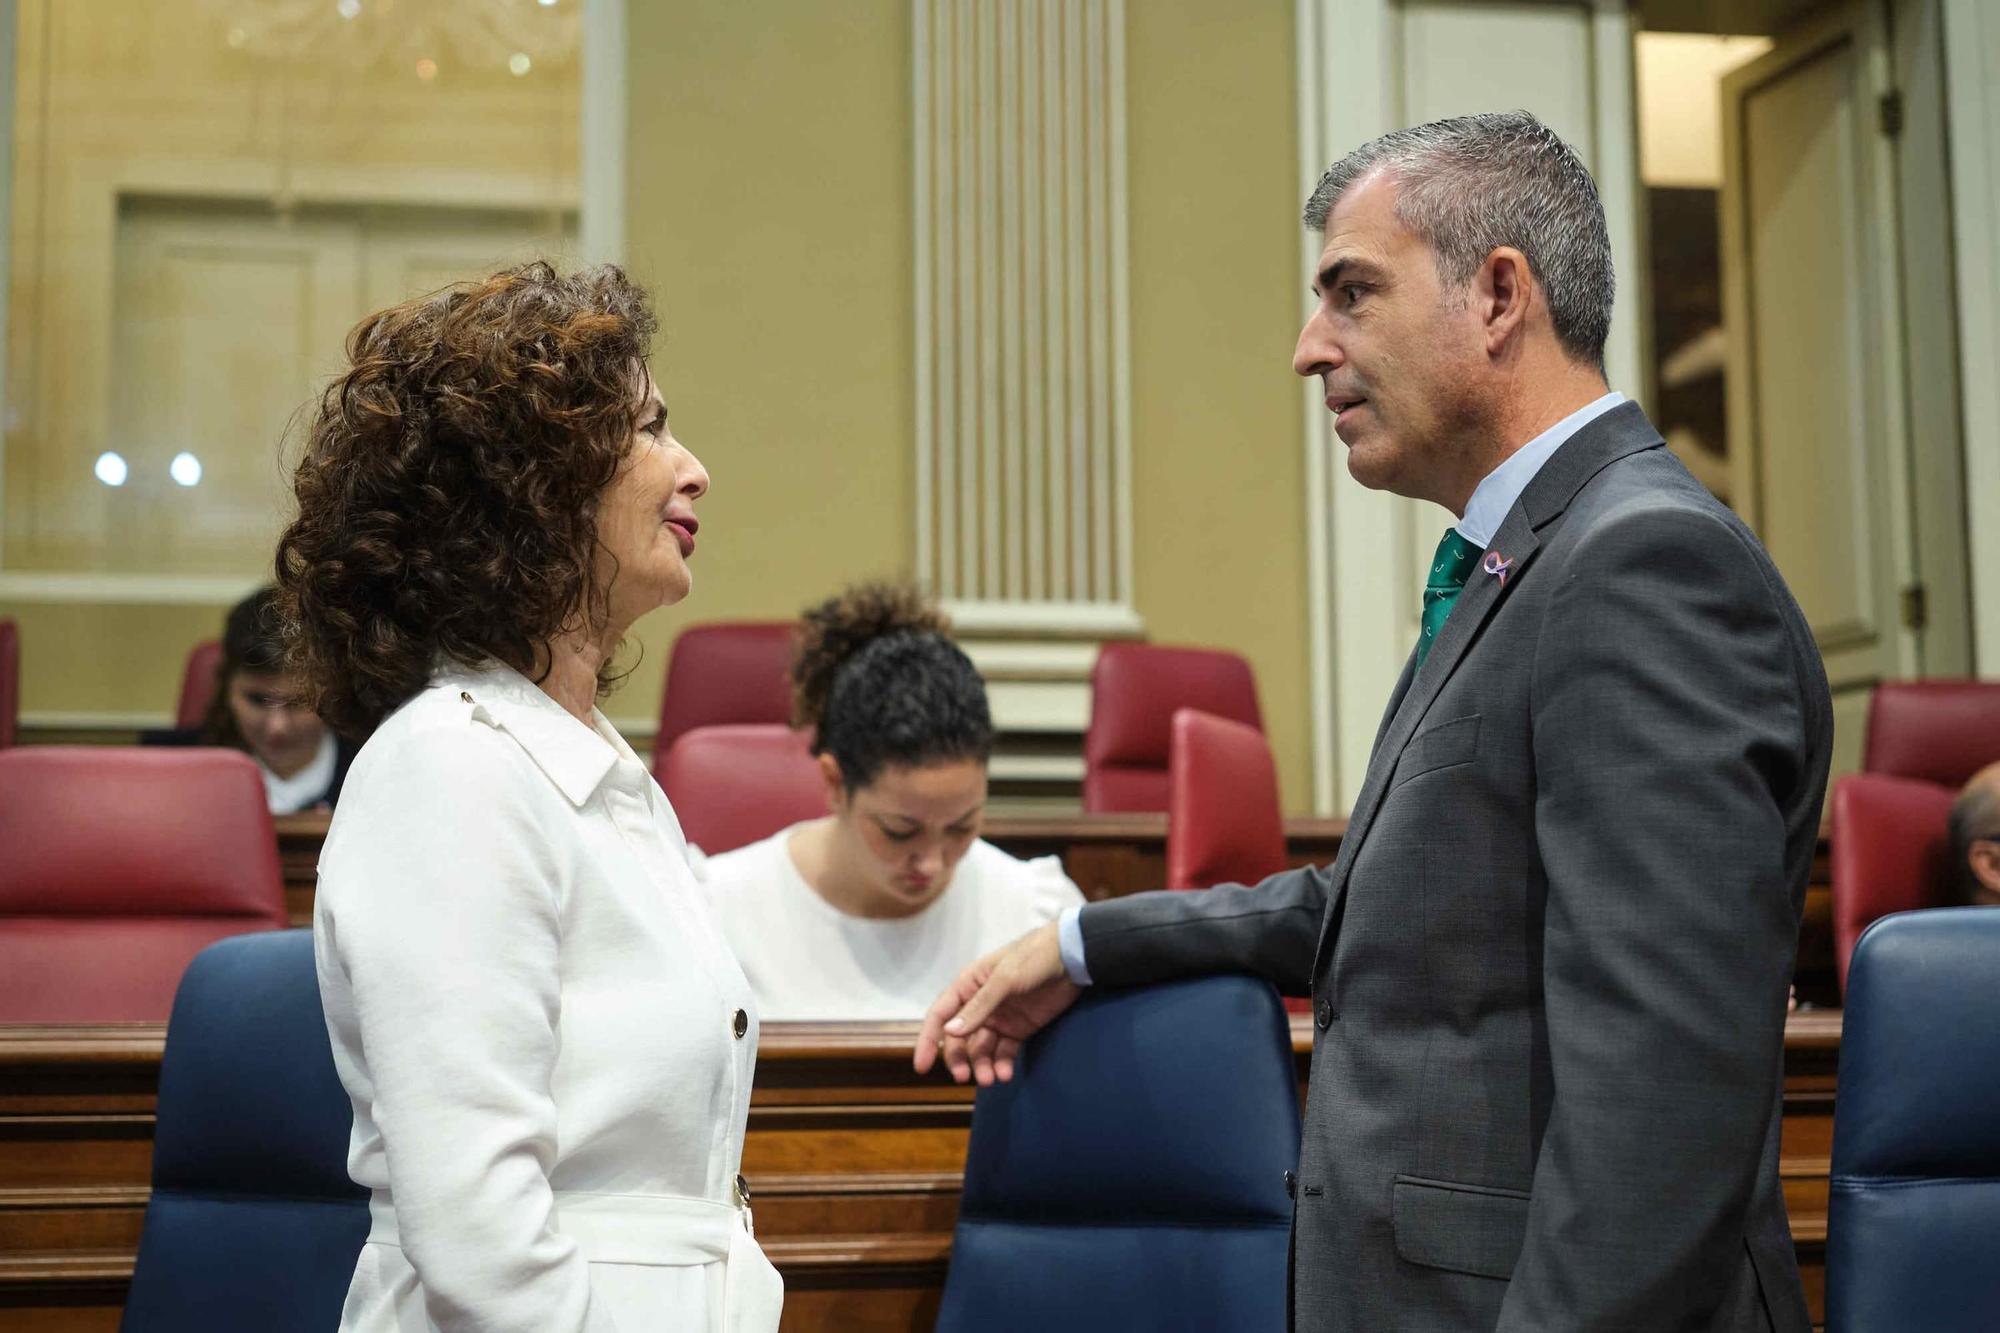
pixel 768 189
pixel 1218 477
pixel 770 211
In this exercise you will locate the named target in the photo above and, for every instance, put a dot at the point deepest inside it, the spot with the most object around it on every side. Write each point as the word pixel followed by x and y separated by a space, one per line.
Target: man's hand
pixel 982 1018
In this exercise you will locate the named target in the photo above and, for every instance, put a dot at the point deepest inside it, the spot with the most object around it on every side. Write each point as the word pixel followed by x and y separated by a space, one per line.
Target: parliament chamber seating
pixel 1224 821
pixel 198 680
pixel 1914 1195
pixel 1133 1174
pixel 1940 731
pixel 1888 853
pixel 10 682
pixel 253 1221
pixel 735 785
pixel 1134 690
pixel 120 866
pixel 723 673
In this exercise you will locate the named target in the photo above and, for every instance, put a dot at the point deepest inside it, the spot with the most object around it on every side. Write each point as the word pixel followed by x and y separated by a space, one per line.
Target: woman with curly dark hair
pixel 547 1043
pixel 871 911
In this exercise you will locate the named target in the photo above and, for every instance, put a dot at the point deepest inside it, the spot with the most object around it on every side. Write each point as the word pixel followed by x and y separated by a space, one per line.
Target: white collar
pixel 289 795
pixel 574 757
pixel 1499 489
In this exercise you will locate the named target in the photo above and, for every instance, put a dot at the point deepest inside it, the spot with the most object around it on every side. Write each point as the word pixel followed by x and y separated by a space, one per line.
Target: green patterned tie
pixel 1449 568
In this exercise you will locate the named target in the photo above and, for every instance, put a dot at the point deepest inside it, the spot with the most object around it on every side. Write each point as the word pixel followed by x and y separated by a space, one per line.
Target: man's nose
pixel 1316 353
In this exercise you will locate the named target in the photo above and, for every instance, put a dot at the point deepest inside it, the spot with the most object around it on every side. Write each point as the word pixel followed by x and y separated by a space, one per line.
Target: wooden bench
pixel 854 1165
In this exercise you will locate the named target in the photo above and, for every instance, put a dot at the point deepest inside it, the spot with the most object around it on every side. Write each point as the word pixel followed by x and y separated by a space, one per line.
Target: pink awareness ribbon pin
pixel 1497 565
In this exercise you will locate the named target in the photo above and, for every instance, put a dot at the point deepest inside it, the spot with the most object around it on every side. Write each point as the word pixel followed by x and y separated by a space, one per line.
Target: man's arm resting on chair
pixel 1269 930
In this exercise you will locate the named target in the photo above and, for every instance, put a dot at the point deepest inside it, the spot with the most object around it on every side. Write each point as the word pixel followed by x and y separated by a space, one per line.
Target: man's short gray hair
pixel 1471 184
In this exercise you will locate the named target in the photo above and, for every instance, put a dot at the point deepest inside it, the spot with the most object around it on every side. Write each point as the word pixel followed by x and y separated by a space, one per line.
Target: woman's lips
pixel 684 534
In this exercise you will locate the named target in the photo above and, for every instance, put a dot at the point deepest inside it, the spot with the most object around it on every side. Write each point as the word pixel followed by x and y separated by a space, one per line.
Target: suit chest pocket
pixel 1443 745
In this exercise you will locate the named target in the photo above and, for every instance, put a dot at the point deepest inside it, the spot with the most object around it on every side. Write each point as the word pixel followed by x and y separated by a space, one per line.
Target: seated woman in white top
pixel 869 912
pixel 546 1042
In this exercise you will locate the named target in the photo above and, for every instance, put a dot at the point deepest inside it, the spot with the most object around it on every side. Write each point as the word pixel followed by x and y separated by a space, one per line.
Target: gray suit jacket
pixel 1550 962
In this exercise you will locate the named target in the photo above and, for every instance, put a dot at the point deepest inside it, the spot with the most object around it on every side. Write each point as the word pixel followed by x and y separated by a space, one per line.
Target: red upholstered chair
pixel 1888 852
pixel 1134 690
pixel 198 684
pixel 726 673
pixel 120 866
pixel 1224 823
pixel 1942 731
pixel 733 785
pixel 10 682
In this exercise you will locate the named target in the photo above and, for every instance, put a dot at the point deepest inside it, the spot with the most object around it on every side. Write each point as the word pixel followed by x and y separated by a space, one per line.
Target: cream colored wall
pixel 769 160
pixel 1218 478
pixel 150 98
pixel 769 211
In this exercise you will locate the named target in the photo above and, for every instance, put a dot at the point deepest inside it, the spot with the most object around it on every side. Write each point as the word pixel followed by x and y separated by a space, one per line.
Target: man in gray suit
pixel 1549 965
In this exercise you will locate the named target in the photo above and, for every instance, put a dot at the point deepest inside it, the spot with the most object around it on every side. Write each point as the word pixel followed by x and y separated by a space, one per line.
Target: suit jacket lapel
pixel 1621 431
pixel 1483 592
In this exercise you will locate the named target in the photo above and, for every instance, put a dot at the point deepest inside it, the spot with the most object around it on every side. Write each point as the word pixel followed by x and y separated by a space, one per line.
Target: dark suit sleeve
pixel 1267 930
pixel 1668 728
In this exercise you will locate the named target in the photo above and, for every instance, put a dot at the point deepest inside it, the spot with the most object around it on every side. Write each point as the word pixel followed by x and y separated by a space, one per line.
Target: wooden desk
pixel 1111 855
pixel 853 1161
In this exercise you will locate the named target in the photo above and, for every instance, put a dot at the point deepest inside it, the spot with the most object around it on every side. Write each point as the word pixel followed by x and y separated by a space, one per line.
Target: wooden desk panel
pixel 854 1165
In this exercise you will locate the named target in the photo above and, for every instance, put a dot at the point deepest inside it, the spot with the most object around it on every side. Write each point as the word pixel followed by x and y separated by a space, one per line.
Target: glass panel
pixel 207 195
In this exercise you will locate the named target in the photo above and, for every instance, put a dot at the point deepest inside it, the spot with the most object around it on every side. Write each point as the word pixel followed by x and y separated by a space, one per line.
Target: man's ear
pixel 1985 860
pixel 836 786
pixel 1502 292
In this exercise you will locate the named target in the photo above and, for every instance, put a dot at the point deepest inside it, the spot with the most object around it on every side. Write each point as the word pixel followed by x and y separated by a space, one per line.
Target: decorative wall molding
pixel 1346 97
pixel 601 148
pixel 128 589
pixel 1023 423
pixel 1972 94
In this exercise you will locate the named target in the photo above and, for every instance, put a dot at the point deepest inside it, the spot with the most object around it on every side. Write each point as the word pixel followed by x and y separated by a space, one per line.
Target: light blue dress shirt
pixel 1491 499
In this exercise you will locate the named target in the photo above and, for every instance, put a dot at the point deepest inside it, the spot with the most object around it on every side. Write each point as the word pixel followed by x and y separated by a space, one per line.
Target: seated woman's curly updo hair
pixel 880 682
pixel 448 497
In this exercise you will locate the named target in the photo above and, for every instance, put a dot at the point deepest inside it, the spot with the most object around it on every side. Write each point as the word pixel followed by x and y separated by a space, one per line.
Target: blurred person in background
pixel 1974 842
pixel 258 708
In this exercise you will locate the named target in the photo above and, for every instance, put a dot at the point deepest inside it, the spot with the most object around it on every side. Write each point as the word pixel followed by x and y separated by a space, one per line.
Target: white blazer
pixel 547 1042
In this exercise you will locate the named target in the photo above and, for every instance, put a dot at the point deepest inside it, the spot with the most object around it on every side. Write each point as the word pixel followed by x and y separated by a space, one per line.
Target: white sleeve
pixel 1050 892
pixel 445 919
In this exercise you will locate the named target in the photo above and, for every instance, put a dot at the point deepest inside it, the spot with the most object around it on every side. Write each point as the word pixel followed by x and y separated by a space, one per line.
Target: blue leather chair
pixel 253 1223
pixel 1133 1174
pixel 1915 1196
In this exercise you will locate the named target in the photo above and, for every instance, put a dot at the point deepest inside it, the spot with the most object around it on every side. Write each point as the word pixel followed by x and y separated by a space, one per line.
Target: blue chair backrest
pixel 1914 1206
pixel 1132 1175
pixel 254 1222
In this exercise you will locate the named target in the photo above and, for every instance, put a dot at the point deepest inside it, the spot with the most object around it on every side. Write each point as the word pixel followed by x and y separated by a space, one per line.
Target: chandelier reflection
pixel 424 38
